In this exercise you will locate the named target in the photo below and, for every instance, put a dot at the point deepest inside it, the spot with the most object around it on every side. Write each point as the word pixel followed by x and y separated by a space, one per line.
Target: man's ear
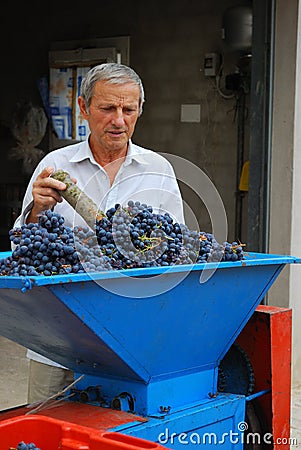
pixel 141 108
pixel 82 107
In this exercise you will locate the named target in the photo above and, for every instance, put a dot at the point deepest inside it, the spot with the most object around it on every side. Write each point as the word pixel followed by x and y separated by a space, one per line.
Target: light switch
pixel 190 113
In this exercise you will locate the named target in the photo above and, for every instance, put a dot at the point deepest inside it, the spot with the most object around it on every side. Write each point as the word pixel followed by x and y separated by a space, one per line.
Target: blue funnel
pixel 162 349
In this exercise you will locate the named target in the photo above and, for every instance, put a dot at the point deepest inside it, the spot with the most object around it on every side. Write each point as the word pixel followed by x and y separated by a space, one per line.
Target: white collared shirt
pixel 144 176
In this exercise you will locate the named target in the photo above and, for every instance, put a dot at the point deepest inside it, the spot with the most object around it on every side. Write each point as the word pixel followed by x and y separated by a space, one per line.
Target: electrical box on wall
pixel 211 64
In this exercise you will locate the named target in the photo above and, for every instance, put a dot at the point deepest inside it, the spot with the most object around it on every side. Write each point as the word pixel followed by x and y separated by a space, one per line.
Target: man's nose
pixel 118 118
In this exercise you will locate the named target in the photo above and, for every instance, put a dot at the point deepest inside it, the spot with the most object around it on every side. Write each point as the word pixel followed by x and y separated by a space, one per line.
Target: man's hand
pixel 45 193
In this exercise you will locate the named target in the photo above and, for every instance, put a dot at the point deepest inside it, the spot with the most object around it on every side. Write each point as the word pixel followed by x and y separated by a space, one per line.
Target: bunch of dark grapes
pixel 134 236
pixel 23 446
pixel 211 250
pixel 49 248
pixel 126 237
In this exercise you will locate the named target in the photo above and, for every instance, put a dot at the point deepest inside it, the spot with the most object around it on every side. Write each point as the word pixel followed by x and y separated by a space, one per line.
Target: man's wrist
pixel 32 216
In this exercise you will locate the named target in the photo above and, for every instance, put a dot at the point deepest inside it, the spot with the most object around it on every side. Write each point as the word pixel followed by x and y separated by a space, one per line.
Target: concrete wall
pixel 168 43
pixel 283 134
pixel 295 279
pixel 285 218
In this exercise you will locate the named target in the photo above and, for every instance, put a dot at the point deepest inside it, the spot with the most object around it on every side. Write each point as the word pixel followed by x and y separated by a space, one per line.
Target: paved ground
pixel 296 417
pixel 14 377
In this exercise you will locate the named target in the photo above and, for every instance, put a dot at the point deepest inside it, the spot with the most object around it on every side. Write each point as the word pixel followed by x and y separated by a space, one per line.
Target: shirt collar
pixel 83 152
pixel 134 153
pixel 137 154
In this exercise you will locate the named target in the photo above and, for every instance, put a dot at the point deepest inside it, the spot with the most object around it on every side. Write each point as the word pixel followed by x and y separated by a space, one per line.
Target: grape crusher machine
pixel 148 342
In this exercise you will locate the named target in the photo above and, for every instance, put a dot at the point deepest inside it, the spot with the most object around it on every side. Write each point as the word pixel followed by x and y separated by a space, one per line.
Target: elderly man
pixel 109 167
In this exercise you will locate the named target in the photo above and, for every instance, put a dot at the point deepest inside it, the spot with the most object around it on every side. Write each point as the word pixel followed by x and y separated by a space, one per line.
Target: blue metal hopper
pixel 157 334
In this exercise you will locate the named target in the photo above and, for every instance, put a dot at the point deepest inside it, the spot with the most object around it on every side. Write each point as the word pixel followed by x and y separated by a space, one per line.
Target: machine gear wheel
pixel 253 434
pixel 235 372
pixel 236 376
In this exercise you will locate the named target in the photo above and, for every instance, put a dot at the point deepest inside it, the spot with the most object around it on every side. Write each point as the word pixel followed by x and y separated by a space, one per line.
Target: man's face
pixel 112 115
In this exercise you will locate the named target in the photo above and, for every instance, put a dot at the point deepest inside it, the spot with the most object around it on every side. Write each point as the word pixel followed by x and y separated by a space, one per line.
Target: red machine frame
pixel 267 341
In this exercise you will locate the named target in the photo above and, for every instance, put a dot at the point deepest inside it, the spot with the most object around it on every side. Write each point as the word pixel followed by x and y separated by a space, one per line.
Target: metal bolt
pixel 164 409
pixel 212 395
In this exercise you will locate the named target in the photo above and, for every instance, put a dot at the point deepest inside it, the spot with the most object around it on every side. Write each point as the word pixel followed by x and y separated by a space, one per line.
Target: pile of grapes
pixel 23 446
pixel 126 237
